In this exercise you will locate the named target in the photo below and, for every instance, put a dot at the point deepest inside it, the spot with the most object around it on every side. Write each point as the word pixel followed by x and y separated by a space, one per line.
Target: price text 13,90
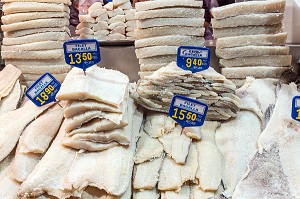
pixel 44 95
pixel 183 114
pixel 80 57
pixel 195 62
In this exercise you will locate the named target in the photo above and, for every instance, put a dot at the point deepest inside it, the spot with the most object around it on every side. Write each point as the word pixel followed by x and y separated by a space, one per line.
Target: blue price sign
pixel 193 58
pixel 187 112
pixel 296 108
pixel 82 53
pixel 44 90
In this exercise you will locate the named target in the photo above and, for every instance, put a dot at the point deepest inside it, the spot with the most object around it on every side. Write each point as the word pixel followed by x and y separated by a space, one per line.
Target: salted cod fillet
pixel 19 17
pixel 184 193
pixel 49 176
pixel 67 2
pixel 267 60
pixel 38 37
pixel 153 51
pixel 231 141
pixel 176 145
pixel 45 54
pixel 264 178
pixel 209 171
pixel 146 194
pixel 24 164
pixel 87 145
pixel 108 86
pixel 160 22
pixel 20 33
pixel 28 62
pixel 37 70
pixel 147 148
pixel 255 71
pixel 248 20
pixel 8 77
pixel 34 77
pixel 172 40
pixel 13 123
pixel 249 51
pixel 37 23
pixel 24 7
pixel 171 13
pixel 198 193
pixel 286 136
pixel 41 45
pixel 120 135
pixel 158 59
pixel 173 176
pixel 244 8
pixel 39 133
pixel 9 187
pixel 142 6
pixel 78 120
pixel 77 107
pixel 252 40
pixel 146 174
pixel 11 102
pixel 247 30
pixel 114 180
pixel 168 30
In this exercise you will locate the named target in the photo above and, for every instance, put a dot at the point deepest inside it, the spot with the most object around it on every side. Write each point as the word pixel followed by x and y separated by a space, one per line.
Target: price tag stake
pixel 296 108
pixel 187 112
pixel 44 90
pixel 82 53
pixel 193 58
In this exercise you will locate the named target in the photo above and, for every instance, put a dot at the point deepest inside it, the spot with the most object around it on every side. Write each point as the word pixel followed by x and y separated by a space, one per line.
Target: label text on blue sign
pixel 193 58
pixel 44 90
pixel 187 112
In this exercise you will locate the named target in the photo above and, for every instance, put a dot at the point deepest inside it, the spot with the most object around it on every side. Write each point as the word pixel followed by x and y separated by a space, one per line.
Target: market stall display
pixel 250 41
pixel 114 21
pixel 35 31
pixel 163 26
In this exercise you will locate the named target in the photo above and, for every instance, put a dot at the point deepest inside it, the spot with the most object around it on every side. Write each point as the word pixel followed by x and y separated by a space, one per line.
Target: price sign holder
pixel 44 90
pixel 193 58
pixel 296 108
pixel 187 112
pixel 82 53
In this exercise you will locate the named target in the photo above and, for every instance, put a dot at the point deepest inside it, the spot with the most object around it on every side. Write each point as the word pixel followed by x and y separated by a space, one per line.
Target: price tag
pixel 44 90
pixel 296 108
pixel 82 53
pixel 187 112
pixel 193 58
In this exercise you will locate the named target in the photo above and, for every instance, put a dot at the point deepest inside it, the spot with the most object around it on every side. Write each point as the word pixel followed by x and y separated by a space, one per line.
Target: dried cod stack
pixel 163 26
pixel 11 92
pixel 250 41
pixel 34 33
pixel 171 165
pixel 100 116
pixel 110 22
pixel 156 91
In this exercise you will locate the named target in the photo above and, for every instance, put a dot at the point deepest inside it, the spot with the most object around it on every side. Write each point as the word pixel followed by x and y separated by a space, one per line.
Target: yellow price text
pixel 196 62
pixel 183 114
pixel 79 57
pixel 44 96
pixel 298 117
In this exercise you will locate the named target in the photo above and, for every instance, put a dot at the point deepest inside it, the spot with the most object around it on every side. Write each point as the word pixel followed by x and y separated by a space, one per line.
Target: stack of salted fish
pixel 156 91
pixel 108 22
pixel 250 41
pixel 172 165
pixel 100 116
pixel 34 33
pixel 11 91
pixel 163 26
